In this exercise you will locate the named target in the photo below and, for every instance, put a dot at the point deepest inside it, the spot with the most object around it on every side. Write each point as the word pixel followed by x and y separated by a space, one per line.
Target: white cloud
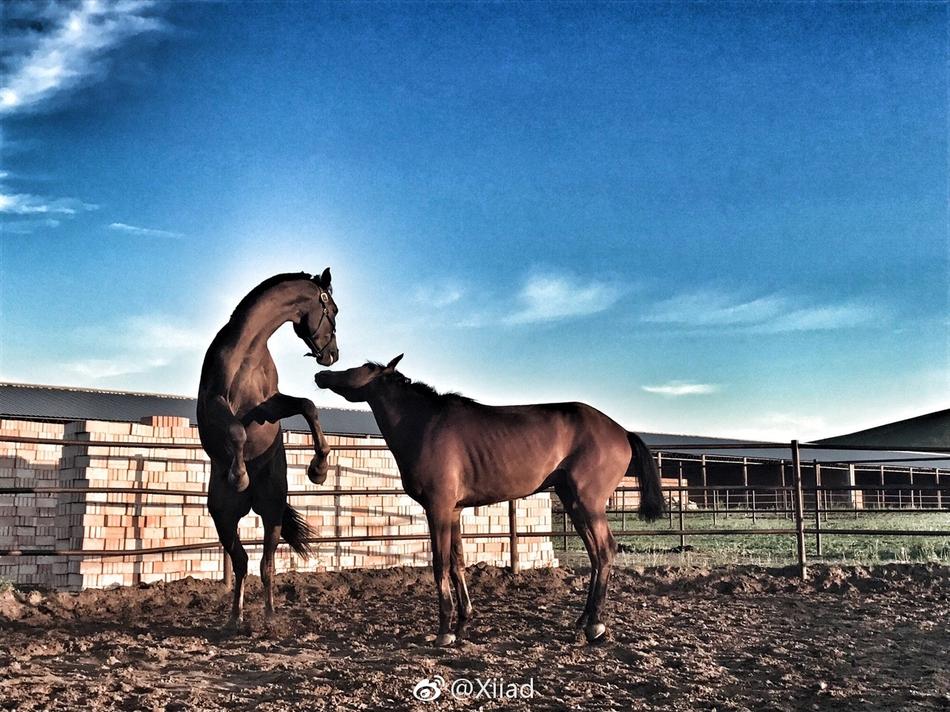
pixel 550 298
pixel 769 314
pixel 439 295
pixel 144 231
pixel 138 344
pixel 40 64
pixel 676 389
pixel 26 204
pixel 98 368
pixel 781 427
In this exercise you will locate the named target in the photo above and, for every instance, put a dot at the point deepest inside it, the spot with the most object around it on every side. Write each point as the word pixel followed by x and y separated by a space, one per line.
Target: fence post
pixel 911 472
pixel 513 534
pixel 682 520
pixel 881 501
pixel 705 493
pixel 799 510
pixel 228 568
pixel 818 495
pixel 937 482
pixel 564 527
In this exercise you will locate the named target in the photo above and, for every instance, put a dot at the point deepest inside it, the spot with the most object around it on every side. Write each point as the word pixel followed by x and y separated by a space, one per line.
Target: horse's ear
pixel 391 366
pixel 324 279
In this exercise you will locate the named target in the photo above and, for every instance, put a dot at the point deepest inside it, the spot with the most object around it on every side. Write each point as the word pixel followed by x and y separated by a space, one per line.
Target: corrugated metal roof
pixel 893 458
pixel 20 400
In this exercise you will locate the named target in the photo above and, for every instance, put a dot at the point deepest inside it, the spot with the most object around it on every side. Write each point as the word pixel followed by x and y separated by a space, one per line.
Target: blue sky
pixel 721 219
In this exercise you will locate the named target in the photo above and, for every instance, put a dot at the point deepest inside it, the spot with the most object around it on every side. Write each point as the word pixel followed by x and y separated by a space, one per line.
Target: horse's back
pixel 505 452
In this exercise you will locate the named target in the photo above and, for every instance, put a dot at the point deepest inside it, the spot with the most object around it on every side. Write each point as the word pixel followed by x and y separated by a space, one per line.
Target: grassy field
pixel 778 549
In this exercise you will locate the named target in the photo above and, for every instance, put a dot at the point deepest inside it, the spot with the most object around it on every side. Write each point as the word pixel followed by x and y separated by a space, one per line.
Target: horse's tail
pixel 644 469
pixel 296 531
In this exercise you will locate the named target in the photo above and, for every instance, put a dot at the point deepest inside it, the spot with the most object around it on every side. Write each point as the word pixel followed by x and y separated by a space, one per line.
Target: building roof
pixel 922 431
pixel 61 404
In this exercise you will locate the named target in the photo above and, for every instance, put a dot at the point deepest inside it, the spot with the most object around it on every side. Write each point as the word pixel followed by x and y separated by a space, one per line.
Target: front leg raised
pixel 280 406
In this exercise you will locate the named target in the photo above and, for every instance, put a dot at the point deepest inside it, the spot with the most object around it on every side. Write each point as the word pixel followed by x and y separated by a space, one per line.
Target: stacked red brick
pixel 29 521
pixel 125 455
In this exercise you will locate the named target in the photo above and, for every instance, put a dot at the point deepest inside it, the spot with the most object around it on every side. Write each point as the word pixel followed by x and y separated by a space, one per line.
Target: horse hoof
pixel 595 632
pixel 445 639
pixel 233 625
pixel 317 470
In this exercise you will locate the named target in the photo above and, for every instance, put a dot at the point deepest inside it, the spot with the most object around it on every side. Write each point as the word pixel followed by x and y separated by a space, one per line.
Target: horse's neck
pixel 399 412
pixel 259 322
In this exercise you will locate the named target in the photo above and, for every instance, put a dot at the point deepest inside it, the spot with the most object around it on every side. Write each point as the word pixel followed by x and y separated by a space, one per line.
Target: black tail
pixel 642 466
pixel 296 531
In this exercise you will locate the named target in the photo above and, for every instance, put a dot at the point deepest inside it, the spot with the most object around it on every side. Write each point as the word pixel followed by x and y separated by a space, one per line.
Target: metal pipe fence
pixel 759 500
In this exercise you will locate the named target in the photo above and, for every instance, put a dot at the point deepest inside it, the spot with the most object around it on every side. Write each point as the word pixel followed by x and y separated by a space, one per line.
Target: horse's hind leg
pixel 463 602
pixel 271 539
pixel 605 548
pixel 440 532
pixel 582 526
pixel 226 509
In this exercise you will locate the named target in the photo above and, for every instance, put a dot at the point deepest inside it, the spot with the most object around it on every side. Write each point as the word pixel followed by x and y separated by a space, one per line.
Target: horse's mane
pixel 424 389
pixel 251 297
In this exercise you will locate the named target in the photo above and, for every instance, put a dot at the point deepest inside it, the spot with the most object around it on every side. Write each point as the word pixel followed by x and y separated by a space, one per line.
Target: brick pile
pixel 30 521
pixel 94 521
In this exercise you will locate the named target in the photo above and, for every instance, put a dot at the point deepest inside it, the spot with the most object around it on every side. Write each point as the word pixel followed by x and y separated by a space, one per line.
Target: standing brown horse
pixel 239 413
pixel 453 452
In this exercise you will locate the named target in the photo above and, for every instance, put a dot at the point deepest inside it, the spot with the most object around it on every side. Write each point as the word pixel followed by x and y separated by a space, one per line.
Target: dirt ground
pixel 727 639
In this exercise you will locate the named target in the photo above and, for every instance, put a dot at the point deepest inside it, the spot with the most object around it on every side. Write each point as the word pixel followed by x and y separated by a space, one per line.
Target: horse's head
pixel 316 325
pixel 355 384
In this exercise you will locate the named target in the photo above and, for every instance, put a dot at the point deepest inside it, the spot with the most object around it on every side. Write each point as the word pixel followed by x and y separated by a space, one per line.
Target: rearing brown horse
pixel 453 452
pixel 239 413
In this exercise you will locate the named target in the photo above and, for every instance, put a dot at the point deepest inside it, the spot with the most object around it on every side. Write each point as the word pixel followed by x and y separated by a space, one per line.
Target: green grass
pixel 779 549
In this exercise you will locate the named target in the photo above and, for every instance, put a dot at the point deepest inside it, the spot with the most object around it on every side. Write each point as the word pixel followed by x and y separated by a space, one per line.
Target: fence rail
pixel 791 496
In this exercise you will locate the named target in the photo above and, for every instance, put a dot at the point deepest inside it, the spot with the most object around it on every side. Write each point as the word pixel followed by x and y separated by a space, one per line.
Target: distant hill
pixel 931 430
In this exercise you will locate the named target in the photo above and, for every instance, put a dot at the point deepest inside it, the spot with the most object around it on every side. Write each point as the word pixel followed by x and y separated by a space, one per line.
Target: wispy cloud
pixel 26 204
pixel 774 313
pixel 55 47
pixel 439 295
pixel 782 427
pixel 137 344
pixel 95 369
pixel 24 213
pixel 677 389
pixel 144 231
pixel 545 298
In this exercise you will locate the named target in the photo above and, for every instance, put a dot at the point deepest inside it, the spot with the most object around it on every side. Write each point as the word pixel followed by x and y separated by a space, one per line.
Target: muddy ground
pixel 727 639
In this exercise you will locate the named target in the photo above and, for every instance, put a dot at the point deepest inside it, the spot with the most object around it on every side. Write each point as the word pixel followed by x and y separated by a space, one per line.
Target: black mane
pixel 251 297
pixel 424 389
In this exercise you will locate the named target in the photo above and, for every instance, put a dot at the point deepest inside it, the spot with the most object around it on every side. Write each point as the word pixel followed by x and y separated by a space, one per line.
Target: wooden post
pixel 682 520
pixel 880 492
pixel 799 511
pixel 818 509
pixel 853 493
pixel 745 483
pixel 513 534
pixel 623 510
pixel 337 527
pixel 705 493
pixel 911 487
pixel 939 494
pixel 228 569
pixel 786 501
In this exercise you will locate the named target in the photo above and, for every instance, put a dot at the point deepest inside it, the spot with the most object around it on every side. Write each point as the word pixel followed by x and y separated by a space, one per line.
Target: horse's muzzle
pixel 329 357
